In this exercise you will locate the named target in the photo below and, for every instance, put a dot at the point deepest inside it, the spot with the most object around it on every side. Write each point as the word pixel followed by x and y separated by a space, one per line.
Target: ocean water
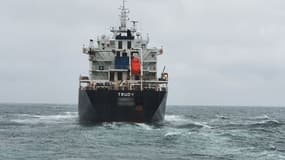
pixel 46 131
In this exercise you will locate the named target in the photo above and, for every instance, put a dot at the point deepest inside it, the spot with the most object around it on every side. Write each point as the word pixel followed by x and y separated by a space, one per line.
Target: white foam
pixel 265 117
pixel 144 126
pixel 34 119
pixel 273 121
pixel 180 120
pixel 111 125
pixel 172 133
pixel 175 118
pixel 203 124
pixel 66 115
pixel 221 116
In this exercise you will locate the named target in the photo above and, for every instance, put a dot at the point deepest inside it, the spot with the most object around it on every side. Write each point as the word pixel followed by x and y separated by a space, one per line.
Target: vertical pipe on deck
pixel 141 68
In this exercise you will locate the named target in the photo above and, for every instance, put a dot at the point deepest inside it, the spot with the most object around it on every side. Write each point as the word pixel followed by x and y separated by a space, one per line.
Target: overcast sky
pixel 217 52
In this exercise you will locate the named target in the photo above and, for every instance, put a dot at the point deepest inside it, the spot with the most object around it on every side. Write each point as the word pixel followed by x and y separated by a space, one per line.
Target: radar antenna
pixel 134 25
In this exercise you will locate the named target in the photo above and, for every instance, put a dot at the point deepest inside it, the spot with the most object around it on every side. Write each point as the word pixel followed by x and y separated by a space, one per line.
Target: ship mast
pixel 124 17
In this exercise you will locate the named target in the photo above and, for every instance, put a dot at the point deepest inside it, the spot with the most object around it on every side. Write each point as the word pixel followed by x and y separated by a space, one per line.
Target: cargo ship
pixel 123 84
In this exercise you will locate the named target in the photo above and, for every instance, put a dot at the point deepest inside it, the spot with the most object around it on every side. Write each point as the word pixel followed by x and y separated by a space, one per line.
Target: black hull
pixel 121 106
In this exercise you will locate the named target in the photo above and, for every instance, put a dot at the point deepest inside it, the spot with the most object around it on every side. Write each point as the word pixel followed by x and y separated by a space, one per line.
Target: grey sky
pixel 220 52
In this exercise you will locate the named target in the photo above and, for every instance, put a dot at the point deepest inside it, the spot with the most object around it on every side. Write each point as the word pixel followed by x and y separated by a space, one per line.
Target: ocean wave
pixel 110 125
pixel 266 123
pixel 73 159
pixel 175 118
pixel 172 134
pixel 259 124
pixel 66 115
pixel 262 117
pixel 4 123
pixel 144 126
pixel 35 119
pixel 222 117
pixel 194 125
pixel 182 122
pixel 237 136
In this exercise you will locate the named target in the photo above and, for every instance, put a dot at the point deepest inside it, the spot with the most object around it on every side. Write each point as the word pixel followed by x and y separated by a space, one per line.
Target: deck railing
pixel 126 85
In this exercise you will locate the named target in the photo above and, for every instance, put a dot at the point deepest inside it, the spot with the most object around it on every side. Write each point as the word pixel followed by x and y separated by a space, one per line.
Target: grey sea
pixel 50 131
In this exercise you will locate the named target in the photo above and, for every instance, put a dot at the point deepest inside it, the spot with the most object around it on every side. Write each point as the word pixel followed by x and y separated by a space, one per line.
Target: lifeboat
pixel 136 66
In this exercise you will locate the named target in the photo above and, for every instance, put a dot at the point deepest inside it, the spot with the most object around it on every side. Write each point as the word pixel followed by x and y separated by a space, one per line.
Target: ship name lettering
pixel 121 94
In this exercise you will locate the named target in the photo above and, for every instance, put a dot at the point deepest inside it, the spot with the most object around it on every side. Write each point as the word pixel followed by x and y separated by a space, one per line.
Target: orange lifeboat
pixel 136 66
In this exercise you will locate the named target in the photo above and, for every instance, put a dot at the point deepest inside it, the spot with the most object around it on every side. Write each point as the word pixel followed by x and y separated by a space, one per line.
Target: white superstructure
pixel 111 59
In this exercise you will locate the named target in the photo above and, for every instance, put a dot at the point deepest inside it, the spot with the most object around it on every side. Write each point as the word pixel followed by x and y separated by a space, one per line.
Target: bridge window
pixel 129 44
pixel 118 53
pixel 120 45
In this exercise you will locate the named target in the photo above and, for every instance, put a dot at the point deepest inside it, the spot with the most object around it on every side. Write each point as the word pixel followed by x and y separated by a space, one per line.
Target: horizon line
pixel 177 105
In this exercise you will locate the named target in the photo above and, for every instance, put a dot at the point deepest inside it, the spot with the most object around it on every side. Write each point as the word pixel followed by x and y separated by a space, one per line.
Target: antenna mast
pixel 124 16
